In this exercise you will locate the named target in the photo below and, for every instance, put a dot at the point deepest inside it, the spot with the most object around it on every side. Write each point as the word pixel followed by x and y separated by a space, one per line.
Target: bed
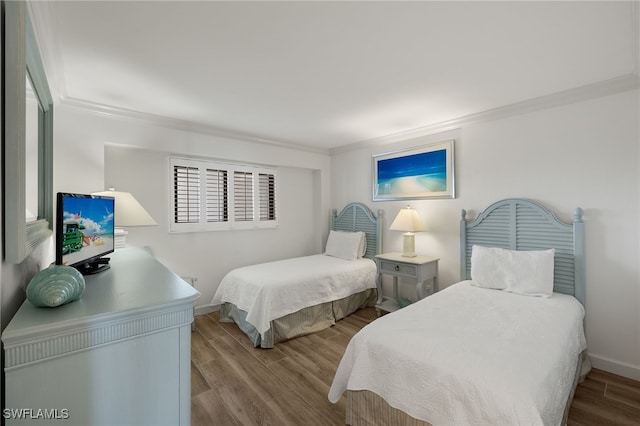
pixel 505 345
pixel 276 301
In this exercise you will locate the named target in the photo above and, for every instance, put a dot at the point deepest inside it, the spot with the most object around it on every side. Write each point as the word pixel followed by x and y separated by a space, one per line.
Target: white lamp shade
pixel 129 212
pixel 408 220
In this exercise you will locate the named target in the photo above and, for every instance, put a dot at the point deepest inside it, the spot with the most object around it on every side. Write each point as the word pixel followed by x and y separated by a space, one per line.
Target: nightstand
pixel 418 269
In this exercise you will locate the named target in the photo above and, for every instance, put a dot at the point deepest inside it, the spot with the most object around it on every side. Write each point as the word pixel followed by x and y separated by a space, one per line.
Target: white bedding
pixel 272 290
pixel 469 355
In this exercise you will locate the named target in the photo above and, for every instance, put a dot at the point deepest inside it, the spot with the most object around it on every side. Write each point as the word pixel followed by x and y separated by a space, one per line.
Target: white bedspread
pixel 272 290
pixel 470 356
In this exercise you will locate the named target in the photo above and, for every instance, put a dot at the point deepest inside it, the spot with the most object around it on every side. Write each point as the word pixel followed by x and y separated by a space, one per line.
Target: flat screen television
pixel 84 231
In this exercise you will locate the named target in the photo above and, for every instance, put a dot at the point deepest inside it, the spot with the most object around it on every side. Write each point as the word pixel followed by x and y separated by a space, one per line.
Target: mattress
pixel 273 290
pixel 469 355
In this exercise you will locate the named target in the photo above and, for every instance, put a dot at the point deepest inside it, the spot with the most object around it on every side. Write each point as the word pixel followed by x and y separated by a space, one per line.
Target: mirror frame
pixel 21 56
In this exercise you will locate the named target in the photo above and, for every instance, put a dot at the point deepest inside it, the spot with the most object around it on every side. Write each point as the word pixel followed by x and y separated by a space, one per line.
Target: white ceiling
pixel 328 74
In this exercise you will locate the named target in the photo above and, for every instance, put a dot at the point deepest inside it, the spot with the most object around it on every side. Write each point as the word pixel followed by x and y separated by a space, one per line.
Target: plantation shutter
pixel 186 203
pixel 213 195
pixel 267 196
pixel 243 196
pixel 217 196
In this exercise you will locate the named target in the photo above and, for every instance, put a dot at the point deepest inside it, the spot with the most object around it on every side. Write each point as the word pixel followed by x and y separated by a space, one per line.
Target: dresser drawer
pixel 396 268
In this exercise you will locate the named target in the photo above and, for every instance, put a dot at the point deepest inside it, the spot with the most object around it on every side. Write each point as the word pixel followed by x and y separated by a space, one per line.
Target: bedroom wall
pixel 15 277
pixel 210 255
pixel 585 155
pixel 94 151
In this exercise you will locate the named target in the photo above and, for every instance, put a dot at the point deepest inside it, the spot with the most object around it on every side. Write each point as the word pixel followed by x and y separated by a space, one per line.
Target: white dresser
pixel 121 355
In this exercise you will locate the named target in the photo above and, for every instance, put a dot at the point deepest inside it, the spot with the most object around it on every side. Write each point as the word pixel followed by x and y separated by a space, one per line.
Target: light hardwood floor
pixel 233 383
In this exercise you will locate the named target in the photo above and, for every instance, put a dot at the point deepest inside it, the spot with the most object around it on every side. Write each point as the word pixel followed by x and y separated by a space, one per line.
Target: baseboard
pixel 616 367
pixel 203 310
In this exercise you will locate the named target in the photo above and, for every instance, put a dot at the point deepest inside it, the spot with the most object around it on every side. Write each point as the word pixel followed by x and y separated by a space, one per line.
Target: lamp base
pixel 409 244
pixel 120 238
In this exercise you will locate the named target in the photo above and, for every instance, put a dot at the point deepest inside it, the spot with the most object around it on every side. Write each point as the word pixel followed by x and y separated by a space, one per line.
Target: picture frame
pixel 416 173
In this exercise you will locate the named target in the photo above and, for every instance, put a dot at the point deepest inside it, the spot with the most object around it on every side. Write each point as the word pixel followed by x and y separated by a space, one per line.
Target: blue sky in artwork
pixel 426 163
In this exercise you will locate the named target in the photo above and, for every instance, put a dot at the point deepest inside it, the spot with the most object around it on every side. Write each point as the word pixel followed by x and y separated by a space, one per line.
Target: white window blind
pixel 267 194
pixel 208 195
pixel 217 196
pixel 186 194
pixel 243 196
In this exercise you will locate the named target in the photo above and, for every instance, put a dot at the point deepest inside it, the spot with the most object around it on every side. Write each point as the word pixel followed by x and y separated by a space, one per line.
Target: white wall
pixel 579 155
pixel 16 277
pixel 584 154
pixel 210 255
pixel 95 151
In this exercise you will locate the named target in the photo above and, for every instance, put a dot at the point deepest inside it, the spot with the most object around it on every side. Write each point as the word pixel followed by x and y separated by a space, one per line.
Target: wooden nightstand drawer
pixel 399 269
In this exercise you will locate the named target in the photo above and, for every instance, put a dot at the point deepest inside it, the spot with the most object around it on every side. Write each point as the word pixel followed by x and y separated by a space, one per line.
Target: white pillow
pixel 345 245
pixel 363 245
pixel 486 268
pixel 523 272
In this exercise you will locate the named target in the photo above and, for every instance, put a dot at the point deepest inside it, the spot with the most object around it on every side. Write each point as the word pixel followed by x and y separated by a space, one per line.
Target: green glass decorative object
pixel 55 286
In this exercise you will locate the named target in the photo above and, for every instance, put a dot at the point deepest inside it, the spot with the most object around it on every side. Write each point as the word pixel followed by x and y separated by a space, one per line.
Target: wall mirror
pixel 28 137
pixel 32 114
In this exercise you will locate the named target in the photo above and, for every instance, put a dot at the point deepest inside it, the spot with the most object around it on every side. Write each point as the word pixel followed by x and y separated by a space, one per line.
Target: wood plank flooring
pixel 605 399
pixel 233 383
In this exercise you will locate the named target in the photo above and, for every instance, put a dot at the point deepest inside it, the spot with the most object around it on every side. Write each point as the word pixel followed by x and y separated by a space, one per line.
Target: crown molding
pixel 566 97
pixel 43 16
pixel 592 91
pixel 185 125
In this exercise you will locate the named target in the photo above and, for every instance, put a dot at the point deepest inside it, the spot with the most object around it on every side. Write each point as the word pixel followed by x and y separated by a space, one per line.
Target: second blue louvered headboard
pixel 518 224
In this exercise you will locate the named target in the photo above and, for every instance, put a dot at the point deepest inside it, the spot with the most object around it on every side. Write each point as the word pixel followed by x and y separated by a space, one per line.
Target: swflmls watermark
pixel 36 413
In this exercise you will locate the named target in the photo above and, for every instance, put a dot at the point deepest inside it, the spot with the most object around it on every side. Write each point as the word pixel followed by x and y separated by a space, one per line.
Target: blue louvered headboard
pixel 518 224
pixel 357 217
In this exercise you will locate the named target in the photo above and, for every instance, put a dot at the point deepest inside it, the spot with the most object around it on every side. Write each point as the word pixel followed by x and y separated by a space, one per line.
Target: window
pixel 217 195
pixel 209 195
pixel 267 192
pixel 243 196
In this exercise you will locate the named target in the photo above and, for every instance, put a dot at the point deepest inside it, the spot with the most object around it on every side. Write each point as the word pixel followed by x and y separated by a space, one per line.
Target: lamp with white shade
pixel 408 221
pixel 128 212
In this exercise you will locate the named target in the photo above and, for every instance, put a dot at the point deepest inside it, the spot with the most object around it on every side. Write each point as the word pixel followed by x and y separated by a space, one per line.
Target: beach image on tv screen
pixel 87 228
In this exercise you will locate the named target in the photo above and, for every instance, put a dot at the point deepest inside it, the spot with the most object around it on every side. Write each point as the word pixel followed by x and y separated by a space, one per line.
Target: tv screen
pixel 84 231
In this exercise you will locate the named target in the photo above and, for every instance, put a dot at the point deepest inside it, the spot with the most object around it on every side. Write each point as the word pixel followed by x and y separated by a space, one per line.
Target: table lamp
pixel 129 212
pixel 408 221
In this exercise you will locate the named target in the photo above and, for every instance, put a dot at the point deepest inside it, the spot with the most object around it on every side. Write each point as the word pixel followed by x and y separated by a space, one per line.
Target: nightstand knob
pixel 397 268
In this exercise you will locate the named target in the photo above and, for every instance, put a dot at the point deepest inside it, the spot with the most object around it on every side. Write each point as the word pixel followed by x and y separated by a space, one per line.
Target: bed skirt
pixel 305 321
pixel 365 408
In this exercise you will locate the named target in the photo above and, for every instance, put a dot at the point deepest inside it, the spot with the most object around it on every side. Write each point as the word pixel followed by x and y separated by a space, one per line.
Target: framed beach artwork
pixel 422 172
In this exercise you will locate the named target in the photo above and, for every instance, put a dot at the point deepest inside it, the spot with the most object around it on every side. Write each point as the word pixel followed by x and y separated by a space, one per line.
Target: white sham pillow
pixel 487 268
pixel 528 273
pixel 363 244
pixel 345 245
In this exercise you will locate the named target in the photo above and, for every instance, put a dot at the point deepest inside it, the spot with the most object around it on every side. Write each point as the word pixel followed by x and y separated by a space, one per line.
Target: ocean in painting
pixel 413 185
pixel 413 175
